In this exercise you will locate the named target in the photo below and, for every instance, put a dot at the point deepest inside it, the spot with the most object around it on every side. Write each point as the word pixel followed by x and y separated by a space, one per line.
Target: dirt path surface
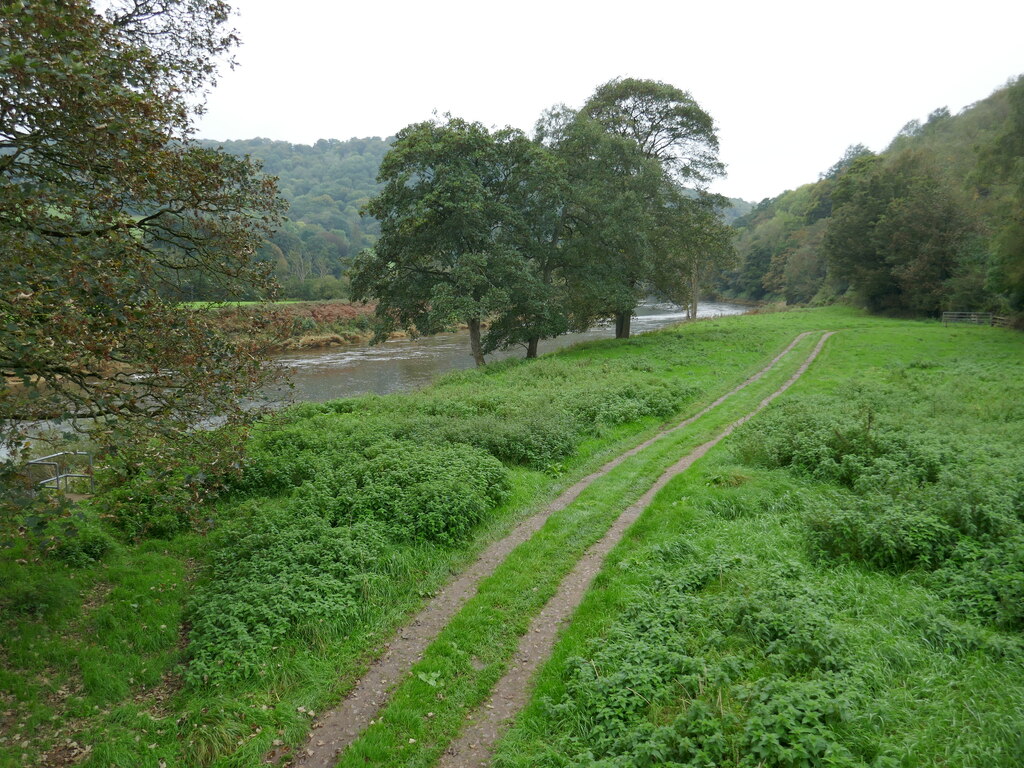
pixel 475 745
pixel 335 730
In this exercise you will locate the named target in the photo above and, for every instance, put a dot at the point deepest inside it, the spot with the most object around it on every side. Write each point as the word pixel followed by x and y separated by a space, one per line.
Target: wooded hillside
pixel 325 185
pixel 934 222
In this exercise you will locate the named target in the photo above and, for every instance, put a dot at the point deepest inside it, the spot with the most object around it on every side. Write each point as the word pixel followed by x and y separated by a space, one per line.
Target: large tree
pixel 107 207
pixel 451 213
pixel 606 217
pixel 665 126
pixel 627 154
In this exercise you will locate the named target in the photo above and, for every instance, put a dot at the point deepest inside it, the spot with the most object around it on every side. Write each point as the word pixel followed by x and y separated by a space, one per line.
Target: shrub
pixel 843 444
pixel 534 439
pixel 159 489
pixel 275 569
pixel 986 581
pixel 415 491
pixel 881 531
pixel 82 543
pixel 283 454
pixel 661 687
pixel 792 723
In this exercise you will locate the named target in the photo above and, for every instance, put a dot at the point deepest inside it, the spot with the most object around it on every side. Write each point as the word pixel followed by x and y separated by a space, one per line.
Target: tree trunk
pixel 474 342
pixel 622 320
pixel 531 347
pixel 694 294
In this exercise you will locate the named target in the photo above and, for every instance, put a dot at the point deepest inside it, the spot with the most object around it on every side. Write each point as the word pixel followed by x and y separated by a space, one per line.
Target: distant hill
pixel 325 185
pixel 935 221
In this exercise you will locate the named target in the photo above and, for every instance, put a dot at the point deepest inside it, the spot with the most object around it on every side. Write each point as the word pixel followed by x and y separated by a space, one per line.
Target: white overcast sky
pixel 790 84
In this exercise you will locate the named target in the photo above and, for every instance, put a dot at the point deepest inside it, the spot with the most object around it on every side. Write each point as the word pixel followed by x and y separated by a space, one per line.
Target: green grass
pixel 92 653
pixel 460 667
pixel 719 634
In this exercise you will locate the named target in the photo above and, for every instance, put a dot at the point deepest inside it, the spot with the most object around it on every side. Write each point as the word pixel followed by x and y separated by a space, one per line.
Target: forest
pixel 326 185
pixel 934 222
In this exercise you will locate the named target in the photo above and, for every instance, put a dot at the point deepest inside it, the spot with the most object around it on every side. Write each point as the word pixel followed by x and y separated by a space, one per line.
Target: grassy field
pixel 841 584
pixel 161 633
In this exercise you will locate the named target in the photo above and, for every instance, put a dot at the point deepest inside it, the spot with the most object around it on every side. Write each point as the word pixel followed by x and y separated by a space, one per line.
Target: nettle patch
pixel 696 674
pixel 900 496
pixel 311 558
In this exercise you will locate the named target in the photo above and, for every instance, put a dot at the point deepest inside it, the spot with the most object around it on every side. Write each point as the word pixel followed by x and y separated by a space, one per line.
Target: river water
pixel 401 365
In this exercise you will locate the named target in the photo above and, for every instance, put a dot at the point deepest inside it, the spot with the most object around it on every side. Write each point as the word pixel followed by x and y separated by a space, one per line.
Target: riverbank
pixel 214 633
pixel 305 325
pixel 295 326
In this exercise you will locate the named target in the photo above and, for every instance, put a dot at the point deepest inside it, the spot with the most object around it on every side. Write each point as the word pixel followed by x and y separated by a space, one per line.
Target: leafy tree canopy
pixel 666 124
pixel 107 205
pixel 451 212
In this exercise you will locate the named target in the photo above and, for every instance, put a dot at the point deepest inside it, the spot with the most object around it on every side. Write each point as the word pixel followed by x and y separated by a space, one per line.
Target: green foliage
pixel 105 204
pixel 452 212
pixel 158 489
pixel 275 569
pixel 778 696
pixel 932 223
pixel 909 501
pixel 665 123
pixel 539 237
pixel 34 594
pixel 82 542
pixel 842 442
pixel 881 531
pixel 417 492
pixel 539 419
pixel 897 233
pixel 357 479
pixel 986 581
pixel 627 225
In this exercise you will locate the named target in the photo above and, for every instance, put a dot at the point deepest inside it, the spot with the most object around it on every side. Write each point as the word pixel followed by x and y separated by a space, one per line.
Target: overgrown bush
pixel 986 581
pixel 415 491
pixel 879 530
pixel 159 488
pixel 691 677
pixel 274 569
pixel 843 442
pixel 80 542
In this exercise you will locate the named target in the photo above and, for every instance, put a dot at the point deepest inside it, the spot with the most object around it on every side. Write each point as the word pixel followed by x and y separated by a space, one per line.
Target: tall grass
pixel 839 585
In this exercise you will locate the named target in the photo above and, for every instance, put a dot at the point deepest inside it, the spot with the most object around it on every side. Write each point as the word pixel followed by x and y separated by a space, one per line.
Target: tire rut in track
pixel 510 694
pixel 335 730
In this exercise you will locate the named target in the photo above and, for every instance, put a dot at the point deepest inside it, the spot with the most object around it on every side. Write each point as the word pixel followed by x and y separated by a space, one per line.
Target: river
pixel 401 365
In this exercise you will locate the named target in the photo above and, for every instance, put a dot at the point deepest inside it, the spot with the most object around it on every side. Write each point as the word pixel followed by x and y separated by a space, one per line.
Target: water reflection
pixel 401 365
